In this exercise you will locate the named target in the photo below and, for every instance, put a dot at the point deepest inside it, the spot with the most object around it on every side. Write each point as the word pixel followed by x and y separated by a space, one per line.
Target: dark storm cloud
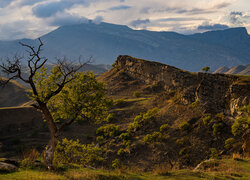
pixel 213 27
pixel 49 9
pixel 122 7
pixel 138 22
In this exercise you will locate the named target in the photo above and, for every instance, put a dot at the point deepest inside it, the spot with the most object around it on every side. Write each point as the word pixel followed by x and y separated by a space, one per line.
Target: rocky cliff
pixel 214 92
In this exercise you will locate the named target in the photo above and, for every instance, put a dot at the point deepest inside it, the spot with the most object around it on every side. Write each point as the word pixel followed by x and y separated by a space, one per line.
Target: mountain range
pixel 104 42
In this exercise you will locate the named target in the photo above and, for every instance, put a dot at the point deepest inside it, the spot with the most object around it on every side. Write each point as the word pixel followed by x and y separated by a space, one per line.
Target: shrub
pixel 137 94
pixel 217 128
pixel 229 143
pixel 164 128
pixel 100 139
pixel 30 159
pixel 124 136
pixel 121 152
pixel 195 104
pixel 220 116
pixel 73 152
pixel 184 126
pixel 109 130
pixel 114 64
pixel 142 119
pixel 110 118
pixel 116 163
pixel 214 153
pixel 206 119
pixel 155 137
pixel 242 123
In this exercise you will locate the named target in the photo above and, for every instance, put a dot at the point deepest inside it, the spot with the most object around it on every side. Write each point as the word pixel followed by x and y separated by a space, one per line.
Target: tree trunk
pixel 51 147
pixel 49 153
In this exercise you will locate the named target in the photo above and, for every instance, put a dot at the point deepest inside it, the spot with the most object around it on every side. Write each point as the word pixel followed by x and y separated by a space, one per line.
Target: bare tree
pixel 35 62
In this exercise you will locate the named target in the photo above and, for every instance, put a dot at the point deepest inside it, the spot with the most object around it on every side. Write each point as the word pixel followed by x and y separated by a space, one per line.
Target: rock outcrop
pixel 215 92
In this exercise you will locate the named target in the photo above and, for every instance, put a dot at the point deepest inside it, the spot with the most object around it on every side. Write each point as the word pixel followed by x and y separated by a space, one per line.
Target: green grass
pixel 228 169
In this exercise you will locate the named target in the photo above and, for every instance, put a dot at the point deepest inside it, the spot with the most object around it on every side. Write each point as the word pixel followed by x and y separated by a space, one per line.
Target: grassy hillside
pixel 13 94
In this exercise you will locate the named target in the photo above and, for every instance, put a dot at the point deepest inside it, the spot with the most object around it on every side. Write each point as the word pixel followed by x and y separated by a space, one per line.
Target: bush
pixel 72 152
pixel 121 152
pixel 217 128
pixel 220 116
pixel 137 94
pixel 214 153
pixel 155 137
pixel 110 118
pixel 206 119
pixel 242 123
pixel 142 119
pixel 30 159
pixel 229 143
pixel 164 128
pixel 124 136
pixel 184 126
pixel 100 139
pixel 109 130
pixel 116 163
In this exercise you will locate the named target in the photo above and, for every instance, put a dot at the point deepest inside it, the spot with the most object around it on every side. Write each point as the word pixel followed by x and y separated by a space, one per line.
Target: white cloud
pixel 18 18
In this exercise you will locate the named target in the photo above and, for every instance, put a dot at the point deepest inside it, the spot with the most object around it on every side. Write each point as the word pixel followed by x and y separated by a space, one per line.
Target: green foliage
pixel 184 126
pixel 155 137
pixel 142 119
pixel 110 118
pixel 217 128
pixel 73 152
pixel 121 152
pixel 82 98
pixel 206 119
pixel 242 123
pixel 195 104
pixel 124 136
pixel 100 139
pixel 137 94
pixel 30 158
pixel 109 130
pixel 214 153
pixel 164 128
pixel 116 163
pixel 229 143
pixel 220 116
pixel 205 69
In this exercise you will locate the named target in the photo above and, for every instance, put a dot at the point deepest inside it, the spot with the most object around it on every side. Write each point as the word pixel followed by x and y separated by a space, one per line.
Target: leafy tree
pixel 63 95
pixel 206 69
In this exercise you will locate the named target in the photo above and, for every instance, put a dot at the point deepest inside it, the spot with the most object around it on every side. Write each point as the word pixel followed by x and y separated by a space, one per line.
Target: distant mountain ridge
pixel 106 41
pixel 239 69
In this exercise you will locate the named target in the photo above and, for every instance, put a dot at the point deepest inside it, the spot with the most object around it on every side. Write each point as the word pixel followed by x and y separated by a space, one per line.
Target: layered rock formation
pixel 215 92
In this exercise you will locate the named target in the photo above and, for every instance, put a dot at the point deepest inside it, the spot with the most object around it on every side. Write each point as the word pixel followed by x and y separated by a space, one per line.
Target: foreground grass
pixel 228 169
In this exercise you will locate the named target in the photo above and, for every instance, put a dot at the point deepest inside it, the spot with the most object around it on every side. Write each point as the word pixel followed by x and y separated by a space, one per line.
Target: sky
pixel 34 18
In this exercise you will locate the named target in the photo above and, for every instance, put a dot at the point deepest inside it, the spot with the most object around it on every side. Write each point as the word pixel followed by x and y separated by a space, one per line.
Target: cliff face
pixel 215 92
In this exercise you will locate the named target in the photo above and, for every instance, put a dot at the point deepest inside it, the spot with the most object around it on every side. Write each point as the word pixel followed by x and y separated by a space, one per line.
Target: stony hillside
pixel 161 116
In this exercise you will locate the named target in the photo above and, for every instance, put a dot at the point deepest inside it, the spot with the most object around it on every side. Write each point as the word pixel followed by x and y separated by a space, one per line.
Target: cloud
pixel 4 3
pixel 212 27
pixel 180 19
pixel 139 22
pixel 235 18
pixel 49 9
pixel 62 19
pixel 98 19
pixel 222 5
pixel 28 2
pixel 122 7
